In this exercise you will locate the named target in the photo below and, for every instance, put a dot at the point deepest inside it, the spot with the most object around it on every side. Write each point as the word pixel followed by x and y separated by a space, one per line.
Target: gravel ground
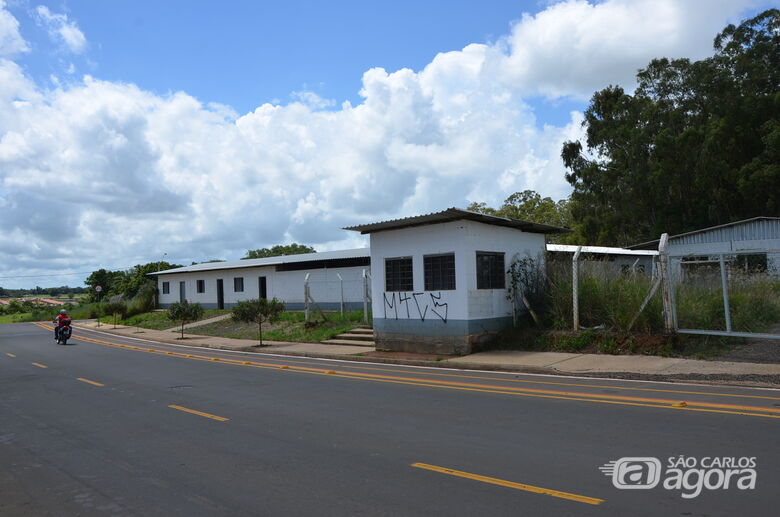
pixel 755 350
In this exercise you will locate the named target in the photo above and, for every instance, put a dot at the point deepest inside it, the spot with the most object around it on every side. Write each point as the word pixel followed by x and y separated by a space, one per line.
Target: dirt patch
pixel 755 350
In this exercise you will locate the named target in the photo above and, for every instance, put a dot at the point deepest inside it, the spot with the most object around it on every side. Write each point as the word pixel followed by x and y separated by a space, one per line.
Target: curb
pixel 744 380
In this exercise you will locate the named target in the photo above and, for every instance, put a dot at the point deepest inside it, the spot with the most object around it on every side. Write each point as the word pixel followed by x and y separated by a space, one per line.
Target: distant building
pixel 439 281
pixel 219 285
pixel 759 234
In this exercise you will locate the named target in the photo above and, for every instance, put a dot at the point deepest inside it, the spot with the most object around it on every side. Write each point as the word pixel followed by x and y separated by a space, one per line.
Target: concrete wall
pixel 446 321
pixel 287 286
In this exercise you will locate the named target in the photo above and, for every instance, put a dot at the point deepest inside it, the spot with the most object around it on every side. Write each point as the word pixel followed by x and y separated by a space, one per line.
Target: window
pixel 490 270
pixel 398 274
pixel 201 287
pixel 238 284
pixel 439 272
pixel 166 287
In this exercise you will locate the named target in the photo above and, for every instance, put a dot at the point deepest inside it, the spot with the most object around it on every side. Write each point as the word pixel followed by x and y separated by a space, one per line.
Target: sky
pixel 132 131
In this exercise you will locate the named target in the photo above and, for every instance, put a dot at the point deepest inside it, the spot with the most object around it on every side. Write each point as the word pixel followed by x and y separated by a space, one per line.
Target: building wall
pixel 286 286
pixel 446 321
pixel 758 236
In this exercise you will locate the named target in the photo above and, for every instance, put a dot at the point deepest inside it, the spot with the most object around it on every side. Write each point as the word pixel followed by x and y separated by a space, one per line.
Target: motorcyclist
pixel 61 321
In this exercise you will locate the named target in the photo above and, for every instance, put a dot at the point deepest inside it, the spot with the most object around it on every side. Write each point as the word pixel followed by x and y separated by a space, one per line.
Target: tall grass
pixel 754 301
pixel 607 298
pixel 610 298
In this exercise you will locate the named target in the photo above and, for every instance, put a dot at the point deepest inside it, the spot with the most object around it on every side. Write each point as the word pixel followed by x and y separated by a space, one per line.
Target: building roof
pixel 270 261
pixel 455 214
pixel 602 250
pixel 654 243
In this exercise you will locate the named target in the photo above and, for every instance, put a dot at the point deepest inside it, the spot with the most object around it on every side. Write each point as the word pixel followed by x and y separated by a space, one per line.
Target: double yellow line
pixel 686 405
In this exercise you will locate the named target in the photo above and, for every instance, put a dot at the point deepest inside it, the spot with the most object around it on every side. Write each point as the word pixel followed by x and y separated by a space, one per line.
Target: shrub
pixel 116 309
pixel 258 311
pixel 184 312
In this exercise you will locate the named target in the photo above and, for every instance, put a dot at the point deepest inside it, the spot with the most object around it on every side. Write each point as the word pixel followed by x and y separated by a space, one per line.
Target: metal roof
pixel 270 261
pixel 455 214
pixel 757 228
pixel 566 248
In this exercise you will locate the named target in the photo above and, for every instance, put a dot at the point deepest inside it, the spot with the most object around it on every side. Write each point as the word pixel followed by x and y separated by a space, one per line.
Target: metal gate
pixel 698 282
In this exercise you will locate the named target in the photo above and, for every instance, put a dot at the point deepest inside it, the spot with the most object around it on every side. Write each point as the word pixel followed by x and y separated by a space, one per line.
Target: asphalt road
pixel 113 426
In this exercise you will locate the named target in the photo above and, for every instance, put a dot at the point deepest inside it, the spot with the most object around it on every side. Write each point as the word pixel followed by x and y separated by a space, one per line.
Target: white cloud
pixel 98 173
pixel 11 41
pixel 576 47
pixel 61 29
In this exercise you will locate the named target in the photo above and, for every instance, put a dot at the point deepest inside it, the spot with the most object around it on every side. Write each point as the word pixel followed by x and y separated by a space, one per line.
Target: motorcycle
pixel 64 333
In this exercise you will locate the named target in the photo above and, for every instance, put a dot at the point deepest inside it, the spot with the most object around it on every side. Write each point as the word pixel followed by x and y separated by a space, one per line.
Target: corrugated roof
pixel 455 214
pixel 654 244
pixel 566 248
pixel 271 261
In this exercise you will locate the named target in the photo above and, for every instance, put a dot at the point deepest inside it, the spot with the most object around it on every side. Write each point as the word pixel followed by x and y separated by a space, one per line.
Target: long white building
pixel 219 285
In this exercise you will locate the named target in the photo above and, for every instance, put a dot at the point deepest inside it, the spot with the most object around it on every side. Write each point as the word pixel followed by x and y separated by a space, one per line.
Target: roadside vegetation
pixel 609 300
pixel 290 326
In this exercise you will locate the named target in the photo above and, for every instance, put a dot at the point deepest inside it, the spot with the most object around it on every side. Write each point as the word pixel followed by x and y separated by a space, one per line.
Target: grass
pixel 16 318
pixel 156 320
pixel 289 327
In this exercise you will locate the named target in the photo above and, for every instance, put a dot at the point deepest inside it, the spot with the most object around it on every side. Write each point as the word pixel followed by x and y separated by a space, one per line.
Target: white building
pixel 439 281
pixel 218 285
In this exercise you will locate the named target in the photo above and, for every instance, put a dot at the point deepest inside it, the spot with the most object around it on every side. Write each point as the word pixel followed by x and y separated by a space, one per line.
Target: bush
pixel 184 312
pixel 258 311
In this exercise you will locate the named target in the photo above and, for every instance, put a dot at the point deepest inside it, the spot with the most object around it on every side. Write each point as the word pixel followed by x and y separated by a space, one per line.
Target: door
pixel 262 287
pixel 220 294
pixel 182 292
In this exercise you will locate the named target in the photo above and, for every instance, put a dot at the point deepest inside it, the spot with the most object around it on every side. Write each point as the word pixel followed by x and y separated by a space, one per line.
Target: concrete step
pixel 348 342
pixel 361 330
pixel 364 327
pixel 356 337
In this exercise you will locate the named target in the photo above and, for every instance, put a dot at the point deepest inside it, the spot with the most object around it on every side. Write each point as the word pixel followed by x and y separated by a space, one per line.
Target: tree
pixel 258 311
pixel 696 145
pixel 116 309
pixel 275 251
pixel 185 312
pixel 528 205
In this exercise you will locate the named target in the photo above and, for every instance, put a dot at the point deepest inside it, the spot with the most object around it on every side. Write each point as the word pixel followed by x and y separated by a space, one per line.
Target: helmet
pixel 63 311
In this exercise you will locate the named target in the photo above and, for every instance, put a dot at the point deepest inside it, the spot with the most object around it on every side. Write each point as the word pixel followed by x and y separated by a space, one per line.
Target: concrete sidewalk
pixel 637 366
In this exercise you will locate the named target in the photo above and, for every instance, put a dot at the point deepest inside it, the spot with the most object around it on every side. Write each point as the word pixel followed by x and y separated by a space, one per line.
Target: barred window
pixel 490 270
pixel 201 286
pixel 439 272
pixel 166 287
pixel 398 274
pixel 238 284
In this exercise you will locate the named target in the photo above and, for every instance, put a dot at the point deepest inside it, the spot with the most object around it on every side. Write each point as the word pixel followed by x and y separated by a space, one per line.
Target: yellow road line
pixel 9 354
pixel 82 379
pixel 505 390
pixel 199 413
pixel 511 484
pixel 39 365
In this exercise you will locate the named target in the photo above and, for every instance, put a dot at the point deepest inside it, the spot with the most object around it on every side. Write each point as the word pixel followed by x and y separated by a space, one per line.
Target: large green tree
pixel 275 251
pixel 697 144
pixel 528 205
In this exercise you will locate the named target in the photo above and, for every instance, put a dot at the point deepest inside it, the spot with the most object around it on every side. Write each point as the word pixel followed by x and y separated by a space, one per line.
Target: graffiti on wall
pixel 415 305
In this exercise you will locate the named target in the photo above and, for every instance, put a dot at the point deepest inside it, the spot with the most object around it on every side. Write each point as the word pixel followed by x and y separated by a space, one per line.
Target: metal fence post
pixel 365 297
pixel 306 297
pixel 575 267
pixel 666 284
pixel 341 286
pixel 724 280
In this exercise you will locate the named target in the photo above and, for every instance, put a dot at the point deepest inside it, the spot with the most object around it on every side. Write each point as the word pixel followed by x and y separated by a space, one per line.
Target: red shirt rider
pixel 62 320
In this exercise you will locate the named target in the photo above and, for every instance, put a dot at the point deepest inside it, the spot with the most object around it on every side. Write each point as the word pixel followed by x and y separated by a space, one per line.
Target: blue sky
pixel 202 129
pixel 246 53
